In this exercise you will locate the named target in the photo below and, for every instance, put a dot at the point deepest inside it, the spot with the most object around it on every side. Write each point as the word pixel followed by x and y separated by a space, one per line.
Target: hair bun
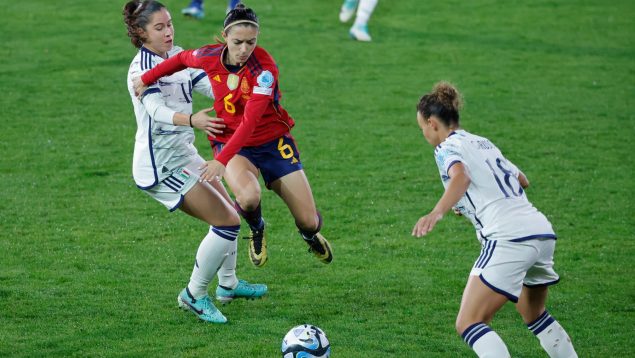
pixel 447 94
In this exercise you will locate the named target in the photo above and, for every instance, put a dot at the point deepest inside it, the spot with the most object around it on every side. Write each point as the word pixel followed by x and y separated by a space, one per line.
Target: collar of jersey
pixel 240 69
pixel 143 48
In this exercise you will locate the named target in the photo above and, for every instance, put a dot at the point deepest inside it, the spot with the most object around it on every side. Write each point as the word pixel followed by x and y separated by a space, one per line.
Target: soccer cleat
pixel 360 33
pixel 243 290
pixel 194 11
pixel 348 10
pixel 320 247
pixel 257 247
pixel 202 307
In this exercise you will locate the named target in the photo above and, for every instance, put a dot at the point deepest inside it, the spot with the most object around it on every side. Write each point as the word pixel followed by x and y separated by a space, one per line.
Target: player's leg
pixel 295 191
pixel 194 9
pixel 359 31
pixel 348 10
pixel 204 202
pixel 242 177
pixel 478 306
pixel 231 4
pixel 532 304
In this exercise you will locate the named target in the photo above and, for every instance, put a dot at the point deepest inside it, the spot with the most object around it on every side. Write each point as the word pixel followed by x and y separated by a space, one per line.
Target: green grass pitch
pixel 91 266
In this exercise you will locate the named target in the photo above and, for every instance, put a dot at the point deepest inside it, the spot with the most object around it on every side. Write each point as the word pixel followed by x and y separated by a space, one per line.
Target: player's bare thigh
pixel 206 203
pixel 478 304
pixel 242 178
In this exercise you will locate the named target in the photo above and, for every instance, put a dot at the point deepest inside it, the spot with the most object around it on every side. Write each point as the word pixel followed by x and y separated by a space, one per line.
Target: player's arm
pixel 176 63
pixel 459 182
pixel 261 97
pixel 160 112
pixel 522 178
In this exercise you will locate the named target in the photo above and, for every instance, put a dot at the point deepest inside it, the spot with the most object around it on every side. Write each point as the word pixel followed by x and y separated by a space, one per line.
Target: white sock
pixel 213 251
pixel 227 272
pixel 485 342
pixel 553 338
pixel 364 11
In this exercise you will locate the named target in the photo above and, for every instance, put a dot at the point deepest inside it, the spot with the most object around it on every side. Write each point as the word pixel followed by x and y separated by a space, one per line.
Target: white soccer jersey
pixel 495 202
pixel 160 147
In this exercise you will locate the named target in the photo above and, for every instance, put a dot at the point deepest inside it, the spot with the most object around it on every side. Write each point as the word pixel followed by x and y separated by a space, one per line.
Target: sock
pixel 364 11
pixel 308 234
pixel 553 338
pixel 213 251
pixel 196 3
pixel 231 4
pixel 253 218
pixel 485 342
pixel 227 272
pixel 350 3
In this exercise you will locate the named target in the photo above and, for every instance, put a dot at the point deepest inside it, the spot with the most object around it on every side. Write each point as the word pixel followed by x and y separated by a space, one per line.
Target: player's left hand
pixel 211 170
pixel 426 224
pixel 139 86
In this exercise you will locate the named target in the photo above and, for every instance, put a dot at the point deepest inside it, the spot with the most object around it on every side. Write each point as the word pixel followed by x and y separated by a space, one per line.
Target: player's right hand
pixel 139 86
pixel 207 123
pixel 426 223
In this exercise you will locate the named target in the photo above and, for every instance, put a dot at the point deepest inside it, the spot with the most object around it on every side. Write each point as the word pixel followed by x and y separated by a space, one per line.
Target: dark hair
pixel 444 102
pixel 240 12
pixel 136 15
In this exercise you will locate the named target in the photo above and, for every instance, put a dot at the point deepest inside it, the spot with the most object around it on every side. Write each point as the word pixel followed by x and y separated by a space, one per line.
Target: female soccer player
pixel 165 160
pixel 256 139
pixel 516 260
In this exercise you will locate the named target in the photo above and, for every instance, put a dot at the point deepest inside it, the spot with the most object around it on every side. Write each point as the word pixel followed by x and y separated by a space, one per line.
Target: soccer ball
pixel 305 341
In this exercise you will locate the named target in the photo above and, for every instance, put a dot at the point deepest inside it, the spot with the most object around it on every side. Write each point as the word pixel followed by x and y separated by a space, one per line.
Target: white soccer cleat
pixel 360 33
pixel 348 10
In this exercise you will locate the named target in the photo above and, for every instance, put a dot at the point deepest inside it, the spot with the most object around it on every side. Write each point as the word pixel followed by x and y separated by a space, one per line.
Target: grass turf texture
pixel 90 266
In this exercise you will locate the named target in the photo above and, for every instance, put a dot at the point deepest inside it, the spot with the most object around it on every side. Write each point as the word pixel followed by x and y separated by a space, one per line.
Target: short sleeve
pixel 447 155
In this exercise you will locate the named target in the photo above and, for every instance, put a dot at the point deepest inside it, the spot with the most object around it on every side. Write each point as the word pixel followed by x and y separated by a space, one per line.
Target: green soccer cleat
pixel 360 33
pixel 348 10
pixel 257 247
pixel 202 307
pixel 320 247
pixel 195 11
pixel 243 290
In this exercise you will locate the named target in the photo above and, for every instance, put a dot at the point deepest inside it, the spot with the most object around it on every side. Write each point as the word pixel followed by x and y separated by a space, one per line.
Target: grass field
pixel 91 266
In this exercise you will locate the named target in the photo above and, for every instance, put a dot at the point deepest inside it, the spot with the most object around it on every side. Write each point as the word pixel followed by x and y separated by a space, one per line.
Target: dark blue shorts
pixel 274 159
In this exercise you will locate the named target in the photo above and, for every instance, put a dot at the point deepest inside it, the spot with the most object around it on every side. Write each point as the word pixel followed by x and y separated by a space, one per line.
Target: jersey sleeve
pixel 448 155
pixel 152 99
pixel 201 83
pixel 263 86
pixel 155 105
pixel 179 62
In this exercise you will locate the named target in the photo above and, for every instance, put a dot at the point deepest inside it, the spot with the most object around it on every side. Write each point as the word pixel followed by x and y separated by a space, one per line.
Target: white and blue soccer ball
pixel 305 341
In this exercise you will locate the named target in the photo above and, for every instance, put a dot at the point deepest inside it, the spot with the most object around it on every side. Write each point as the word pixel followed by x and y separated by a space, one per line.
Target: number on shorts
pixel 286 151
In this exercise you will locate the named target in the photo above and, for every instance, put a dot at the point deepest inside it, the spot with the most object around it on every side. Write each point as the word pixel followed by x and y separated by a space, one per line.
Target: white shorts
pixel 171 190
pixel 505 266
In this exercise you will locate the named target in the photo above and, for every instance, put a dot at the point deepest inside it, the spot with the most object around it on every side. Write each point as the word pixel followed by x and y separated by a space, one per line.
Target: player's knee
pixel 463 322
pixel 308 222
pixel 248 199
pixel 461 325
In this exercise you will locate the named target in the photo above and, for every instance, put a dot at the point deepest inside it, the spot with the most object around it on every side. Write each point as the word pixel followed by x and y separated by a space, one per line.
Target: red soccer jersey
pixel 248 100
